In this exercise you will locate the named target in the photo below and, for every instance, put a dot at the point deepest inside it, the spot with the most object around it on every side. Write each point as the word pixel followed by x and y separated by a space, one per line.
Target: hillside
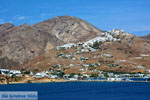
pixel 20 44
pixel 71 44
pixel 146 37
pixel 69 29
pixel 114 50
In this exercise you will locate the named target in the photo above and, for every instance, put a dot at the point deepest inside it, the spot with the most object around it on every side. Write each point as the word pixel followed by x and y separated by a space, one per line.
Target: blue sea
pixel 85 90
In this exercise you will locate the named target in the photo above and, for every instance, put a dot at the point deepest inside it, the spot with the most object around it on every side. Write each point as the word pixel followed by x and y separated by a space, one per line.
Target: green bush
pixel 94 75
pixel 60 74
pixel 71 75
pixel 119 48
pixel 112 65
pixel 130 52
pixel 24 71
pixel 106 75
pixel 96 45
pixel 35 70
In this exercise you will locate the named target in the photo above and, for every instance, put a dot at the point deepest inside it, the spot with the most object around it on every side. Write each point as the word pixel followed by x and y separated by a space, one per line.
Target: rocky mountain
pixel 73 44
pixel 146 37
pixel 69 29
pixel 20 44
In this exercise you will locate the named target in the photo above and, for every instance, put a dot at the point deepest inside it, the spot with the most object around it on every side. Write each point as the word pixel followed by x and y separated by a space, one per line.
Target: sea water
pixel 85 90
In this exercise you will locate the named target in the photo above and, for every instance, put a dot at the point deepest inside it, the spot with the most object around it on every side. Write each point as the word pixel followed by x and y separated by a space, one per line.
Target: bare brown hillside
pixel 20 44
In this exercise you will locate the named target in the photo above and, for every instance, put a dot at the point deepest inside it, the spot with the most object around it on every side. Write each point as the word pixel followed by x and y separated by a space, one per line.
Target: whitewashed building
pixel 15 72
pixel 4 71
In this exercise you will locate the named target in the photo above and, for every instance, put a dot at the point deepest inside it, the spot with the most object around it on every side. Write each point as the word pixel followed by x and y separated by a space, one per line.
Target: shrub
pixel 112 65
pixel 60 74
pixel 130 52
pixel 71 75
pixel 119 48
pixel 36 70
pixel 96 45
pixel 94 75
pixel 106 75
pixel 24 71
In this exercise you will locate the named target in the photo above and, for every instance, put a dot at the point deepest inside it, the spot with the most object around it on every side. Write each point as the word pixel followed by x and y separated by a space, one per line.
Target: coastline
pixel 61 80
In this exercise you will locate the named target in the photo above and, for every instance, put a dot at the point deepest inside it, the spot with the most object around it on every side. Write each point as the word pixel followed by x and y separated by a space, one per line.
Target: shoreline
pixel 61 81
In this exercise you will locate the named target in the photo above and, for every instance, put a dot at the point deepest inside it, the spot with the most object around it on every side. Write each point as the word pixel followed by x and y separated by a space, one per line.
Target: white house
pixel 148 70
pixel 108 55
pixel 67 46
pixel 138 57
pixel 15 72
pixel 144 55
pixel 110 74
pixel 66 76
pixel 140 75
pixel 82 69
pixel 72 65
pixel 101 75
pixel 53 76
pixel 4 71
pixel 42 74
pixel 140 67
pixel 121 61
pixel 85 65
pixel 76 76
pixel 84 50
pixel 114 79
pixel 72 79
pixel 86 75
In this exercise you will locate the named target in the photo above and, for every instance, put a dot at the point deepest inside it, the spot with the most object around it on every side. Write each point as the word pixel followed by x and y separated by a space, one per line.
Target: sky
pixel 133 16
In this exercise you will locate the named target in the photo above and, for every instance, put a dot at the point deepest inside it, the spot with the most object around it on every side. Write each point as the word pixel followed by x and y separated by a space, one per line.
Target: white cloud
pixel 21 17
pixel 43 15
pixel 49 15
pixel 1 21
pixel 18 17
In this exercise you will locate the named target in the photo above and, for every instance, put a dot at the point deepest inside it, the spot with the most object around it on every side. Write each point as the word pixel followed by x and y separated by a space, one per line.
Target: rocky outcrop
pixel 69 29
